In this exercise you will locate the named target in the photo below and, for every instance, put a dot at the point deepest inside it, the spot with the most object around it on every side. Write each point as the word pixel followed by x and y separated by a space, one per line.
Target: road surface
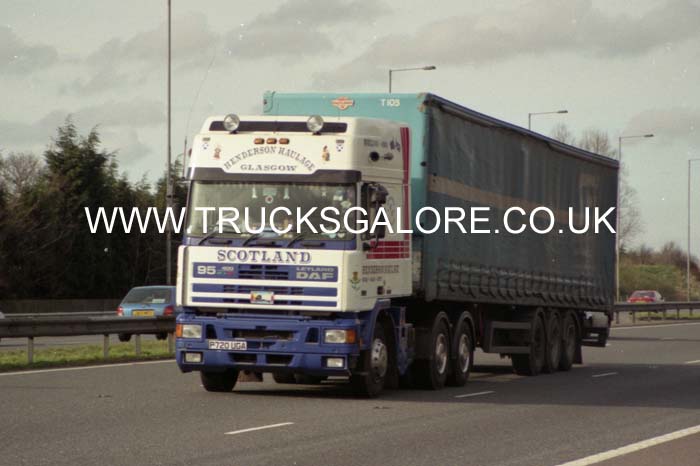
pixel 644 385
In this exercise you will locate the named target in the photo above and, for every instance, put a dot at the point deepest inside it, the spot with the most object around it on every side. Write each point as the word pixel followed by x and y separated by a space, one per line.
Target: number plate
pixel 236 345
pixel 143 313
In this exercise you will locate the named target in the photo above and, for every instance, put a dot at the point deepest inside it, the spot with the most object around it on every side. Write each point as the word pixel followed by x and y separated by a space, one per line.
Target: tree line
pixel 46 248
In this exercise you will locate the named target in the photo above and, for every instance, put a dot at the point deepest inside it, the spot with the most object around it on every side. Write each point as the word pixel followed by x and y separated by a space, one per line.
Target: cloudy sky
pixel 626 67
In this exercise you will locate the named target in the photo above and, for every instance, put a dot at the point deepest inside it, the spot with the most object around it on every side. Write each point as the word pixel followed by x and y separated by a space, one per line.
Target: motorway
pixel 644 385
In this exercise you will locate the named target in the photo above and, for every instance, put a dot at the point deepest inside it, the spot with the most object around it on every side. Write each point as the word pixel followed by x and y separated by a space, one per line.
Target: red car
pixel 645 296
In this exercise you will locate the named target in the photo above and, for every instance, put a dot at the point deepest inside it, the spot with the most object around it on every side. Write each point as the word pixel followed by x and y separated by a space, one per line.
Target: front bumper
pixel 292 344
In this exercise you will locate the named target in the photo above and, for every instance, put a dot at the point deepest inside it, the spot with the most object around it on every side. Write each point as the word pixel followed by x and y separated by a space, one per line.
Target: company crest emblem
pixel 343 103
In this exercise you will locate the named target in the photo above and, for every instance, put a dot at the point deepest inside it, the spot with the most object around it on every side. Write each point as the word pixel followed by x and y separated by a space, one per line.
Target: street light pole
pixel 420 68
pixel 617 217
pixel 687 260
pixel 529 116
pixel 168 181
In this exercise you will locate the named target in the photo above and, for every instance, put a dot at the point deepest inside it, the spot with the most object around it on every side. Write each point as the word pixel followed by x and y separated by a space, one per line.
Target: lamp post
pixel 420 68
pixel 617 217
pixel 529 116
pixel 168 180
pixel 687 260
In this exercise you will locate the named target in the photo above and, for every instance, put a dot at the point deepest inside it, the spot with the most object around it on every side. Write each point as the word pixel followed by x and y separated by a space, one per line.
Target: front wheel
pixel 219 381
pixel 374 366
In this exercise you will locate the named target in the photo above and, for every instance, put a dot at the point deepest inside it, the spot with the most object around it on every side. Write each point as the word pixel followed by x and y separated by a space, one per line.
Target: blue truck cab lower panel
pixel 287 343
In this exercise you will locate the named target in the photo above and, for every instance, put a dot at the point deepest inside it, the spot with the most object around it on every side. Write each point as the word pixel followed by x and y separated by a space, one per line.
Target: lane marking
pixel 271 426
pixel 597 458
pixel 468 395
pixel 605 374
pixel 692 362
pixel 81 368
pixel 652 326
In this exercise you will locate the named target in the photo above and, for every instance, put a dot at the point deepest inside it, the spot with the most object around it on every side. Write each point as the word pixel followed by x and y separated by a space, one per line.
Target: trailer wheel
pixel 554 343
pixel 569 342
pixel 374 366
pixel 432 373
pixel 219 381
pixel 124 336
pixel 462 355
pixel 280 377
pixel 532 364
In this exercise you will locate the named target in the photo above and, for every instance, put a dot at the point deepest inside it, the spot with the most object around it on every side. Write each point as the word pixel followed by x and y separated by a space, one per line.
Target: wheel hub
pixel 379 360
pixel 463 353
pixel 441 353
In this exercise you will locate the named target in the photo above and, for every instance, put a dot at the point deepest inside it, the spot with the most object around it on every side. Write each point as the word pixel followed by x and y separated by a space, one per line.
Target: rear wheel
pixel 161 336
pixel 432 373
pixel 462 355
pixel 532 364
pixel 374 366
pixel 219 381
pixel 124 336
pixel 569 342
pixel 553 353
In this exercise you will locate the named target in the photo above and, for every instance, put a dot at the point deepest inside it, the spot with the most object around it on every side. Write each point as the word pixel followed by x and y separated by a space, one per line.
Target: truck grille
pixel 262 272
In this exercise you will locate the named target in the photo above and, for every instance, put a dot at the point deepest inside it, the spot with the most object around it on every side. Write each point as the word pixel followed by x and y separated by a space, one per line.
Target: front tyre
pixel 219 381
pixel 374 366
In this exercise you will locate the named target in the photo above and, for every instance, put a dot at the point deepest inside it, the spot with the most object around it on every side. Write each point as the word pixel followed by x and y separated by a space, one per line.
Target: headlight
pixel 314 123
pixel 188 331
pixel 231 122
pixel 339 336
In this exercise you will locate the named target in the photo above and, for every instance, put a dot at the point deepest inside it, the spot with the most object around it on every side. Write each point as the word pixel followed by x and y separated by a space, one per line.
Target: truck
pixel 529 275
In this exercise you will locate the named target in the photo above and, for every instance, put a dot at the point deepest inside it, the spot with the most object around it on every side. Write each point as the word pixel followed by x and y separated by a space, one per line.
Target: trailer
pixel 504 243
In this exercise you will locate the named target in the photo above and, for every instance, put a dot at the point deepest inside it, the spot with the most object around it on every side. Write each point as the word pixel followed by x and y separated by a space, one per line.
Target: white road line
pixel 692 362
pixel 81 368
pixel 605 374
pixel 271 426
pixel 606 455
pixel 468 395
pixel 652 326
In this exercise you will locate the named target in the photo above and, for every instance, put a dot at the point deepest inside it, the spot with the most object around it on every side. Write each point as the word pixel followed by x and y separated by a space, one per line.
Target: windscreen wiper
pixel 295 239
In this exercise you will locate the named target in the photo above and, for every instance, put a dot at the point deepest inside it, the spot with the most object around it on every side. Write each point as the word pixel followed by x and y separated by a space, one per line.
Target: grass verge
pixel 82 355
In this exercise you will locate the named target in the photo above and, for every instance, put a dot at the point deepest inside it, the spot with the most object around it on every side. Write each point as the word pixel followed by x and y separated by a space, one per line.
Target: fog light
pixel 335 363
pixel 191 331
pixel 339 336
pixel 315 123
pixel 193 358
pixel 231 122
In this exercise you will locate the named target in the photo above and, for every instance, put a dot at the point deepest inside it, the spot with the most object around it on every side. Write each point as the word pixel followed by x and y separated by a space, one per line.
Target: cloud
pixel 298 28
pixel 191 38
pixel 106 78
pixel 134 114
pixel 667 123
pixel 537 28
pixel 18 57
pixel 127 145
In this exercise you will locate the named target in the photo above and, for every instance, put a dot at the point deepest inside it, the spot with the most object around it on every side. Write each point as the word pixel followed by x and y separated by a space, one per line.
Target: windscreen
pixel 148 296
pixel 256 196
